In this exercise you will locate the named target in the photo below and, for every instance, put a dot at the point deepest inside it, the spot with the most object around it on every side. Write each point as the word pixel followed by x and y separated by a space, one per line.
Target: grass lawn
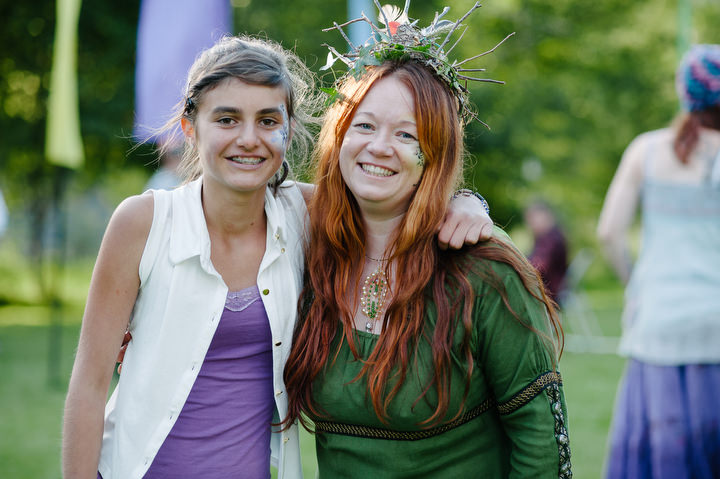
pixel 31 418
pixel 32 391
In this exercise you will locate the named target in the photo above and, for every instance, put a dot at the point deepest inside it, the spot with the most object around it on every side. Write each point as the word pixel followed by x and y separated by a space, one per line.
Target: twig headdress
pixel 402 39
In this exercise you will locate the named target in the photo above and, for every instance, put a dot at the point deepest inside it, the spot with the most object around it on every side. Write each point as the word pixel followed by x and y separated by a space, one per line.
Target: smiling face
pixel 241 132
pixel 380 157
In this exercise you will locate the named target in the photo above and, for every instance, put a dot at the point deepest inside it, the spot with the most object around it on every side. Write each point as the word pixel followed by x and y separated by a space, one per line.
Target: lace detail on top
pixel 240 300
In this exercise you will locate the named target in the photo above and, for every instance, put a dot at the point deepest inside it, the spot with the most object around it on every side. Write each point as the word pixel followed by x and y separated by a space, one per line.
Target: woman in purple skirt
pixel 667 416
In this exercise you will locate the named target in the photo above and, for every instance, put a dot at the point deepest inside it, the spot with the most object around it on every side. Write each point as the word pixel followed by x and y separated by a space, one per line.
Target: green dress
pixel 513 418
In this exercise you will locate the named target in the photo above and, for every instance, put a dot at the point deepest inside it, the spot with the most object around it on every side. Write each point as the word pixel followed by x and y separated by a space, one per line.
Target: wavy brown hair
pixel 336 255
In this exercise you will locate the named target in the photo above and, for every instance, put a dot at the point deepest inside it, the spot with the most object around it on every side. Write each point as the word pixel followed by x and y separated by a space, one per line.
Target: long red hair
pixel 336 254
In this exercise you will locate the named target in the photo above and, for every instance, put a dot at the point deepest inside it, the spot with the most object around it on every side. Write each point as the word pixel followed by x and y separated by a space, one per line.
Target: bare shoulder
pixel 635 155
pixel 130 223
pixel 645 143
pixel 135 213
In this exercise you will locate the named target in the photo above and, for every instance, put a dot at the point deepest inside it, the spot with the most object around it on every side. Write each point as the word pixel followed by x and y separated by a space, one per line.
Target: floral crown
pixel 401 39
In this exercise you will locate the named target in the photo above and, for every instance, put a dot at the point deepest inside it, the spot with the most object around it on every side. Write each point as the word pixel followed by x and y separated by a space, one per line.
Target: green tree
pixel 583 78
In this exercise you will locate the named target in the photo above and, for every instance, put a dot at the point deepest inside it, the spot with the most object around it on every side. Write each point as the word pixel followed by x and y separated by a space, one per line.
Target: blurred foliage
pixel 106 57
pixel 583 78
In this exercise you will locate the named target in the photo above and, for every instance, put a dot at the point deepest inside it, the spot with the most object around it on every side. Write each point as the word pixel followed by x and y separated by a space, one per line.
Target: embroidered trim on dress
pixel 241 300
pixel 550 383
pixel 392 435
pixel 529 392
pixel 561 435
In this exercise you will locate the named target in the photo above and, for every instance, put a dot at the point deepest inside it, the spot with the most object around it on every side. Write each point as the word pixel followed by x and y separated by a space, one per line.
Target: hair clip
pixel 189 106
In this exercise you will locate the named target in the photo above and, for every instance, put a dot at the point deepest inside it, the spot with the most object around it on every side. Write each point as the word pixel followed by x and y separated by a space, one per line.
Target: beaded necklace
pixel 374 291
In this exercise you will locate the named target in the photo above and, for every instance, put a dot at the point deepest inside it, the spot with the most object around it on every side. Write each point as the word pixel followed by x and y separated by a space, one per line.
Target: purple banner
pixel 171 33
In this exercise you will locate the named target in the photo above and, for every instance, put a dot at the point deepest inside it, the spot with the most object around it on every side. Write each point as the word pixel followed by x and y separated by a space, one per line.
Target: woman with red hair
pixel 409 360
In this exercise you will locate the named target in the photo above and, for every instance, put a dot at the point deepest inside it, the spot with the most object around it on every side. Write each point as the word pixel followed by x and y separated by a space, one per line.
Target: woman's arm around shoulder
pixel 113 290
pixel 466 221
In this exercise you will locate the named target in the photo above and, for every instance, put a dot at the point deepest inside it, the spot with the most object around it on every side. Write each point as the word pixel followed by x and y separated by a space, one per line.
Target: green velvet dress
pixel 512 423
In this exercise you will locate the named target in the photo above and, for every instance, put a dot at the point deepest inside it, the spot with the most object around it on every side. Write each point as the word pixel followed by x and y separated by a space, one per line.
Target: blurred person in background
pixel 667 416
pixel 167 176
pixel 549 254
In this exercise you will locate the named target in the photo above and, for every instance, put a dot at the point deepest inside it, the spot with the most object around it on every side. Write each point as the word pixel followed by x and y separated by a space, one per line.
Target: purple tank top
pixel 224 428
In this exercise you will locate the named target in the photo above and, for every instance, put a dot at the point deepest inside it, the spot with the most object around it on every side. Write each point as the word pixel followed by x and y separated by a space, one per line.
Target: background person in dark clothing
pixel 549 253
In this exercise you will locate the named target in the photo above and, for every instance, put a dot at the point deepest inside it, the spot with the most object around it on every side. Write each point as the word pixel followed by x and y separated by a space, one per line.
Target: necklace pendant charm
pixel 372 298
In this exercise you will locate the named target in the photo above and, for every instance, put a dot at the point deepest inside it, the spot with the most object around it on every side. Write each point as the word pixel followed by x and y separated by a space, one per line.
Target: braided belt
pixel 526 395
pixel 529 392
pixel 392 435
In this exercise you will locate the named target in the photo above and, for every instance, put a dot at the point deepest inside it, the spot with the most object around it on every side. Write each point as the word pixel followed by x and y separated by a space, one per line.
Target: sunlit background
pixel 583 77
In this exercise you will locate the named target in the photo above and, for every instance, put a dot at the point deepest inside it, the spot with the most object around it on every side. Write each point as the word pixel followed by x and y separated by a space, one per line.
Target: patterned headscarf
pixel 698 78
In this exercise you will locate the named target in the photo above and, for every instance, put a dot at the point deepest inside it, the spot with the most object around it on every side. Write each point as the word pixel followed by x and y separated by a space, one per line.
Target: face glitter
pixel 420 157
pixel 280 136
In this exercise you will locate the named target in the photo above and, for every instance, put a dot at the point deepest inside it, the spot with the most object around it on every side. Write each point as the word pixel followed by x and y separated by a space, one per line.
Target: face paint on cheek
pixel 280 136
pixel 420 157
pixel 278 140
pixel 285 131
